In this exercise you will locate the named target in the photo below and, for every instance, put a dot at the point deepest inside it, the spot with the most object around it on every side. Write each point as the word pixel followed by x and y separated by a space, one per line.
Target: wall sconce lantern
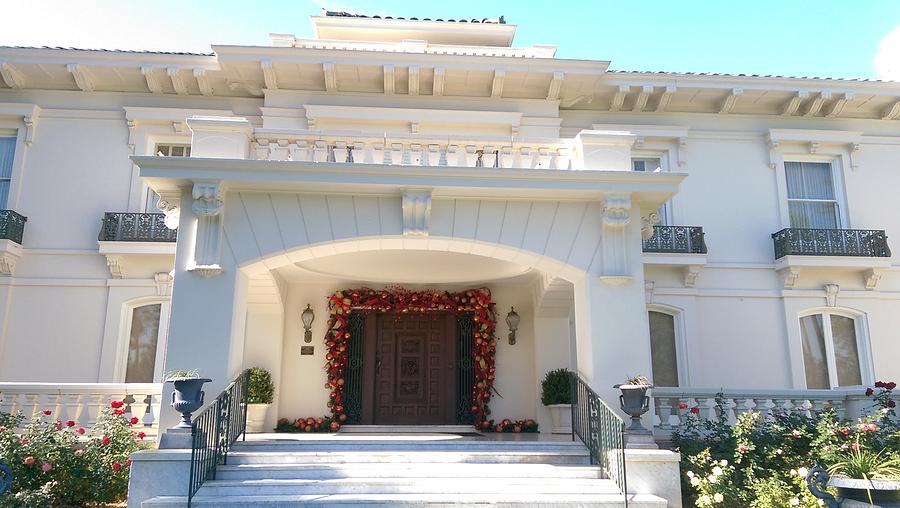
pixel 308 316
pixel 512 321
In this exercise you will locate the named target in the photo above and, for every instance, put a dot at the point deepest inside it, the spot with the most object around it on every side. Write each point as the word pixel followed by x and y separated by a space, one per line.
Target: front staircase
pixel 438 469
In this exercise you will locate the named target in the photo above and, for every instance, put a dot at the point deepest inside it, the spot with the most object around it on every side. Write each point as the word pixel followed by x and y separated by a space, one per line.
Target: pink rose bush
pixel 57 463
pixel 761 460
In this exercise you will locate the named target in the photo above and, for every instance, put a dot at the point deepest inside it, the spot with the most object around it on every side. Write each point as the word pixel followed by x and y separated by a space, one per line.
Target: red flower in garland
pixel 476 302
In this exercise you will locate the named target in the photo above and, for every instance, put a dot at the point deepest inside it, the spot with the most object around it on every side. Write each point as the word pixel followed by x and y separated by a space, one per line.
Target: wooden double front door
pixel 410 372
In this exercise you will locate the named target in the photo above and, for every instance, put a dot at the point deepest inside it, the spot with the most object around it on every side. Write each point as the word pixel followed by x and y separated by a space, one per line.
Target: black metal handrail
pixel 12 226
pixel 677 240
pixel 601 430
pixel 831 242
pixel 216 428
pixel 135 227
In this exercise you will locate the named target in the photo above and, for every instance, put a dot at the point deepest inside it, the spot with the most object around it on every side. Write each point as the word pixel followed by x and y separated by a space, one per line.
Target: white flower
pixel 795 501
pixel 695 482
pixel 690 474
pixel 704 499
pixel 718 497
pixel 802 472
pixel 717 470
pixel 821 503
pixel 712 478
pixel 779 451
pixel 723 462
pixel 793 472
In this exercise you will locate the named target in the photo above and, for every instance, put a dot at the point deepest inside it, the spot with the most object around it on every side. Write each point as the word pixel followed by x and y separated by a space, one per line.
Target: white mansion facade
pixel 711 231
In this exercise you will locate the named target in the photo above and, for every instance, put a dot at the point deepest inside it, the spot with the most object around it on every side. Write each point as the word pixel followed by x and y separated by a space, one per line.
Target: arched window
pixel 833 347
pixel 664 348
pixel 146 326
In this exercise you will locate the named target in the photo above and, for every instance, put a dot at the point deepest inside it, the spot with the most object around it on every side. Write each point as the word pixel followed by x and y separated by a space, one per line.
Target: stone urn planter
pixel 187 397
pixel 634 401
pixel 853 492
pixel 556 396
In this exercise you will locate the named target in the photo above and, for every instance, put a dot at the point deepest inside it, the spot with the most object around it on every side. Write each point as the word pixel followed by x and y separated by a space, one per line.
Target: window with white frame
pixel 831 350
pixel 812 200
pixel 652 165
pixel 663 349
pixel 147 328
pixel 7 151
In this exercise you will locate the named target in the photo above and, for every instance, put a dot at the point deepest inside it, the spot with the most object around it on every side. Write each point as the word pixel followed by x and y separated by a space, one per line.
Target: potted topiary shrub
pixel 556 394
pixel 260 394
pixel 188 394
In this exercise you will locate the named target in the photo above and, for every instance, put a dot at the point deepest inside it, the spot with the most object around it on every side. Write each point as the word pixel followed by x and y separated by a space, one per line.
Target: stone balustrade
pixel 674 404
pixel 82 402
pixel 410 151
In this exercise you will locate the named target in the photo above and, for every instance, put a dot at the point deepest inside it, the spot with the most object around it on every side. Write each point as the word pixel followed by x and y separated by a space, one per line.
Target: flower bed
pixel 762 462
pixel 57 463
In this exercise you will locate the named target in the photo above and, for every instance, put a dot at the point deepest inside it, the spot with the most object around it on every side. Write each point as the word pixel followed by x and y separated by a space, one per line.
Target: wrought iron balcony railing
pixel 12 226
pixel 676 240
pixel 831 242
pixel 135 227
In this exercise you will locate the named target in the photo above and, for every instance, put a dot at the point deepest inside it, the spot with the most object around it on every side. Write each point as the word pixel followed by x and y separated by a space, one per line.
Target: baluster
pixel 338 152
pixel 471 156
pixel 359 153
pixel 434 156
pixel 526 158
pixel 396 154
pixel 405 158
pixel 740 407
pixel 262 149
pixel 415 155
pixel 506 157
pixel 35 404
pixel 702 403
pixel 543 159
pixel 839 409
pixel 489 157
pixel 379 154
pixel 95 403
pixel 319 152
pixel 563 157
pixel 817 406
pixel 128 399
pixel 664 411
pixel 442 159
pixel 778 405
pixel 799 405
pixel 453 155
pixel 147 418
pixel 8 402
pixel 761 405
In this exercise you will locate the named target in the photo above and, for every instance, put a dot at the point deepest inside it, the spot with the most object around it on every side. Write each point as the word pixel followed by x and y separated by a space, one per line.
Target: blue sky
pixel 787 37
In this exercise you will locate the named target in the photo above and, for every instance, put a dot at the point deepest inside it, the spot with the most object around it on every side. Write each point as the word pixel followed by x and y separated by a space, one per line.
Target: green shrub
pixel 556 388
pixel 57 463
pixel 761 461
pixel 261 390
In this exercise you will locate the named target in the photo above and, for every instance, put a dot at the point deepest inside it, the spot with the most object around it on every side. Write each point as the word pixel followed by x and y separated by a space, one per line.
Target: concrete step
pixel 379 486
pixel 404 445
pixel 403 470
pixel 391 457
pixel 417 500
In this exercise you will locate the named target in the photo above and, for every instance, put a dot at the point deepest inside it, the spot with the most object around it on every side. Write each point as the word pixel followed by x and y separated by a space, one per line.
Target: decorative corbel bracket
pixel 163 282
pixel 207 206
pixel 647 223
pixel 682 149
pixel 872 277
pixel 789 277
pixel 649 286
pixel 116 266
pixel 831 292
pixel 416 212
pixel 10 253
pixel 616 217
pixel 691 272
pixel 773 151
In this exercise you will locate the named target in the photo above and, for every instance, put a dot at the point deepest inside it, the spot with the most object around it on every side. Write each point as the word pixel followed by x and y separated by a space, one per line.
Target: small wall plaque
pixel 307 350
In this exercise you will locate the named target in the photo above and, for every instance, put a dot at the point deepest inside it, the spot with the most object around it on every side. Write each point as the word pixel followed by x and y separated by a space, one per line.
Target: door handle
pixel 377 364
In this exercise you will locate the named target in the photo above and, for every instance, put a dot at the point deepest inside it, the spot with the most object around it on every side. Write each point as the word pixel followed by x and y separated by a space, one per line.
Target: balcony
pixel 12 226
pixel 127 237
pixel 676 240
pixel 864 250
pixel 831 242
pixel 135 227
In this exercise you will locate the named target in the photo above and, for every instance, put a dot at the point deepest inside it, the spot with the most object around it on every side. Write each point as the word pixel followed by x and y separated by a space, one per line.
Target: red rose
pixel 869 392
pixel 682 406
pixel 141 435
pixel 796 434
pixel 855 446
pixel 695 410
pixel 128 462
pixel 891 404
pixel 46 467
pixel 70 423
pixel 105 441
pixel 29 461
pixel 879 384
pixel 79 452
pixel 116 404
pixel 134 420
pixel 116 466
pixel 743 449
pixel 891 385
pixel 80 430
pixel 46 412
pixel 845 431
pixel 118 412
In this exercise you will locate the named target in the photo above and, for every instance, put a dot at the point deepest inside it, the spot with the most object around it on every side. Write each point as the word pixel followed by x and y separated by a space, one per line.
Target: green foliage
pixel 181 374
pixel 57 463
pixel 261 390
pixel 639 380
pixel 761 461
pixel 556 388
